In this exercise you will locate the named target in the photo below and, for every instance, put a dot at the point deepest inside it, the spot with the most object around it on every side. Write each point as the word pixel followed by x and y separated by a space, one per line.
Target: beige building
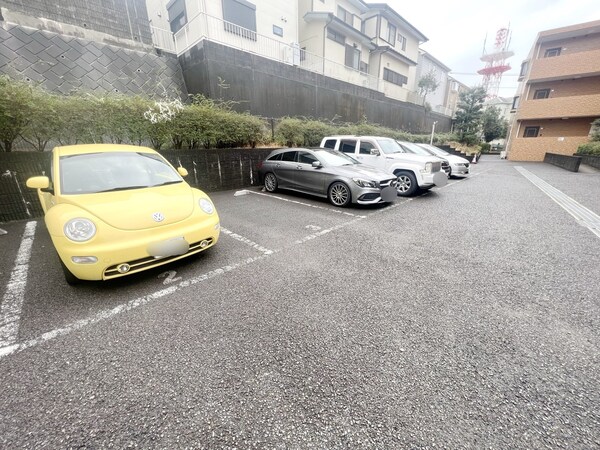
pixel 559 93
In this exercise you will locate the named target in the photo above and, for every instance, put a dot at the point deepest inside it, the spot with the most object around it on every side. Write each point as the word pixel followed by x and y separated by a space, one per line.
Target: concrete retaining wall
pixel 570 163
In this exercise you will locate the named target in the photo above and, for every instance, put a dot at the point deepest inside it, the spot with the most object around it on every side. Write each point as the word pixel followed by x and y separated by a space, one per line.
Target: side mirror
pixel 317 164
pixel 374 152
pixel 38 182
pixel 182 171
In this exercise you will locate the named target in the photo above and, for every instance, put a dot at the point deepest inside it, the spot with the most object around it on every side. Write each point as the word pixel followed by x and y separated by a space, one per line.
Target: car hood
pixel 456 159
pixel 136 209
pixel 413 157
pixel 362 171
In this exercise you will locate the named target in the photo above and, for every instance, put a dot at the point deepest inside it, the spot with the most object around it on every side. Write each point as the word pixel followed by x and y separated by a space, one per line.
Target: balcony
pixel 556 108
pixel 572 65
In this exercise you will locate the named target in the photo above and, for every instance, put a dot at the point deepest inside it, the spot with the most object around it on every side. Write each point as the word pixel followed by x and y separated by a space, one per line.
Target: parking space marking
pixel 296 202
pixel 584 216
pixel 12 302
pixel 16 347
pixel 246 241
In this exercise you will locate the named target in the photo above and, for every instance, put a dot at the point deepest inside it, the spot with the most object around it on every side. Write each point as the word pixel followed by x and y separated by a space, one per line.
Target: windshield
pixel 437 151
pixel 414 148
pixel 390 146
pixel 334 158
pixel 110 171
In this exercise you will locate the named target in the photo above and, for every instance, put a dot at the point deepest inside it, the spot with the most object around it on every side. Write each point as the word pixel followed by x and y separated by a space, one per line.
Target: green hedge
pixel 589 148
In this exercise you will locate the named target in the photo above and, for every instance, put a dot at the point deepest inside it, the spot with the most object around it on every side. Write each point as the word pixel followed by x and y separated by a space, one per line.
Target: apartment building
pixel 559 93
pixel 370 38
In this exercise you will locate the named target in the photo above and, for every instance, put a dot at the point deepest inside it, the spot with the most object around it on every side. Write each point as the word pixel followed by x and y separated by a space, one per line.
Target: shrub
pixel 485 147
pixel 589 148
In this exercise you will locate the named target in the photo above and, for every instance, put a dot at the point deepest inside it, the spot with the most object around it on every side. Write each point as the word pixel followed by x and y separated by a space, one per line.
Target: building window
pixel 515 104
pixel 335 36
pixel 277 30
pixel 240 18
pixel 177 15
pixel 541 93
pixel 352 57
pixel 391 34
pixel 402 41
pixel 346 16
pixel 524 67
pixel 303 54
pixel 531 132
pixel 552 52
pixel 364 67
pixel 394 77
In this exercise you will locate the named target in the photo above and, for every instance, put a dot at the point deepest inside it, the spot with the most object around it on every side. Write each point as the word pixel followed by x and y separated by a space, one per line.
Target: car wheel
pixel 69 277
pixel 339 194
pixel 270 182
pixel 406 183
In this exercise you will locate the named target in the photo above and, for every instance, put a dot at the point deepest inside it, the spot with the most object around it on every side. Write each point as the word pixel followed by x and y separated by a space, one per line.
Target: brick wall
pixel 556 136
pixel 568 88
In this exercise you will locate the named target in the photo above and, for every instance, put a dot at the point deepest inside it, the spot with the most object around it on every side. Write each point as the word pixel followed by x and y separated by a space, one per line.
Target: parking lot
pixel 464 317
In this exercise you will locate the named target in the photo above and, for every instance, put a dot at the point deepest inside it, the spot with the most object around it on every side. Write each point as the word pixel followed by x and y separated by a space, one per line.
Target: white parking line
pixel 12 302
pixel 584 216
pixel 246 241
pixel 15 347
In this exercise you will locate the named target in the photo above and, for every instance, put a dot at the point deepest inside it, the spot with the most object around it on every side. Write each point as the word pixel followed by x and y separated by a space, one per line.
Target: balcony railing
pixel 203 26
pixel 567 65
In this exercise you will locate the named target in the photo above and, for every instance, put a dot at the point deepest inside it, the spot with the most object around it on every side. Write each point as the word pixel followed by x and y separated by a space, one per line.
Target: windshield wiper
pixel 124 188
pixel 167 182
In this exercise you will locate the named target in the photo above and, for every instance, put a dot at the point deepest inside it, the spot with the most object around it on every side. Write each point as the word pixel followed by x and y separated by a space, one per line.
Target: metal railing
pixel 204 26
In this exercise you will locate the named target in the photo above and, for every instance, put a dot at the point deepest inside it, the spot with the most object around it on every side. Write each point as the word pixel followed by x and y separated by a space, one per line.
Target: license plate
pixel 171 247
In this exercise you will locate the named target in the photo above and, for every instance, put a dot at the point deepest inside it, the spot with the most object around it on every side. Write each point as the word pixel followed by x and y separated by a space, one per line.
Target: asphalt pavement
pixel 468 317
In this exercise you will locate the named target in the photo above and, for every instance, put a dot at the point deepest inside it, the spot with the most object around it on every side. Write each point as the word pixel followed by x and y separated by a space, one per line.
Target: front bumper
pixel 428 180
pixel 461 170
pixel 134 248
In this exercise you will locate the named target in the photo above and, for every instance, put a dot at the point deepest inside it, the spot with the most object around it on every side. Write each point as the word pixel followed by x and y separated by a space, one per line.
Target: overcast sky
pixel 457 30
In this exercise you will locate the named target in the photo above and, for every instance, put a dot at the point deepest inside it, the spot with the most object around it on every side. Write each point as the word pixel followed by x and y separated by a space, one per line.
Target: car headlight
pixel 206 206
pixel 364 183
pixel 79 229
pixel 427 169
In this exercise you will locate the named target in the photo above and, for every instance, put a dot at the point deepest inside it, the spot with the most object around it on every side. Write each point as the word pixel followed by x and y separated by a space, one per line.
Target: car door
pixel 308 178
pixel 285 168
pixel 366 156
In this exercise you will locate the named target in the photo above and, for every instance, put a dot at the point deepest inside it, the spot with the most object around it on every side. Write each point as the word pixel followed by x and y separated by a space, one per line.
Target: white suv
pixel 413 171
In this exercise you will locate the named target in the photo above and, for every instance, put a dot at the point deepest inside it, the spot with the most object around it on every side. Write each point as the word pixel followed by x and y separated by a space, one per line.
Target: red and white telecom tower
pixel 495 63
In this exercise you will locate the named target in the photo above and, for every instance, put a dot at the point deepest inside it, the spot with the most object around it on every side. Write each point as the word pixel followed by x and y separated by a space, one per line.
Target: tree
pixel 494 126
pixel 428 83
pixel 16 103
pixel 469 115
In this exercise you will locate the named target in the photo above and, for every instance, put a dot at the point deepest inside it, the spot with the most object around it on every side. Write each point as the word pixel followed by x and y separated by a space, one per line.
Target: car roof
pixel 354 136
pixel 99 148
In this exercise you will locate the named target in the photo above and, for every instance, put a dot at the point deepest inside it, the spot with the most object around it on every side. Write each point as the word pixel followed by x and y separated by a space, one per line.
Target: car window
pixel 390 146
pixel 348 146
pixel 289 156
pixel 276 157
pixel 335 158
pixel 306 158
pixel 330 143
pixel 366 147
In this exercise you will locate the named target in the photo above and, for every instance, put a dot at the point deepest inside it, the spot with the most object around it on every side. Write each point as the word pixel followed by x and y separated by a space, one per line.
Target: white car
pixel 413 172
pixel 458 166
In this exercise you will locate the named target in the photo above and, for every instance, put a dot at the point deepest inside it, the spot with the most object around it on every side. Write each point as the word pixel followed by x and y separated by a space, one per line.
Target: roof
pixel 386 9
pixel 99 148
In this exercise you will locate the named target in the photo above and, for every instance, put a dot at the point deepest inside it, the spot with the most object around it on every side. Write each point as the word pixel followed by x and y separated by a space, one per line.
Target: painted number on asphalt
pixel 170 276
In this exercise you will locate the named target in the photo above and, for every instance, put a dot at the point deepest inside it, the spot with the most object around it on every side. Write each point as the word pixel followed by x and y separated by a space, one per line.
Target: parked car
pixel 113 210
pixel 412 171
pixel 326 173
pixel 414 148
pixel 458 166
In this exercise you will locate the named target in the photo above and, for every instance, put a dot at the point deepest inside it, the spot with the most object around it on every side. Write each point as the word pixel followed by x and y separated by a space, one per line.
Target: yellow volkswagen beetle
pixel 113 210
